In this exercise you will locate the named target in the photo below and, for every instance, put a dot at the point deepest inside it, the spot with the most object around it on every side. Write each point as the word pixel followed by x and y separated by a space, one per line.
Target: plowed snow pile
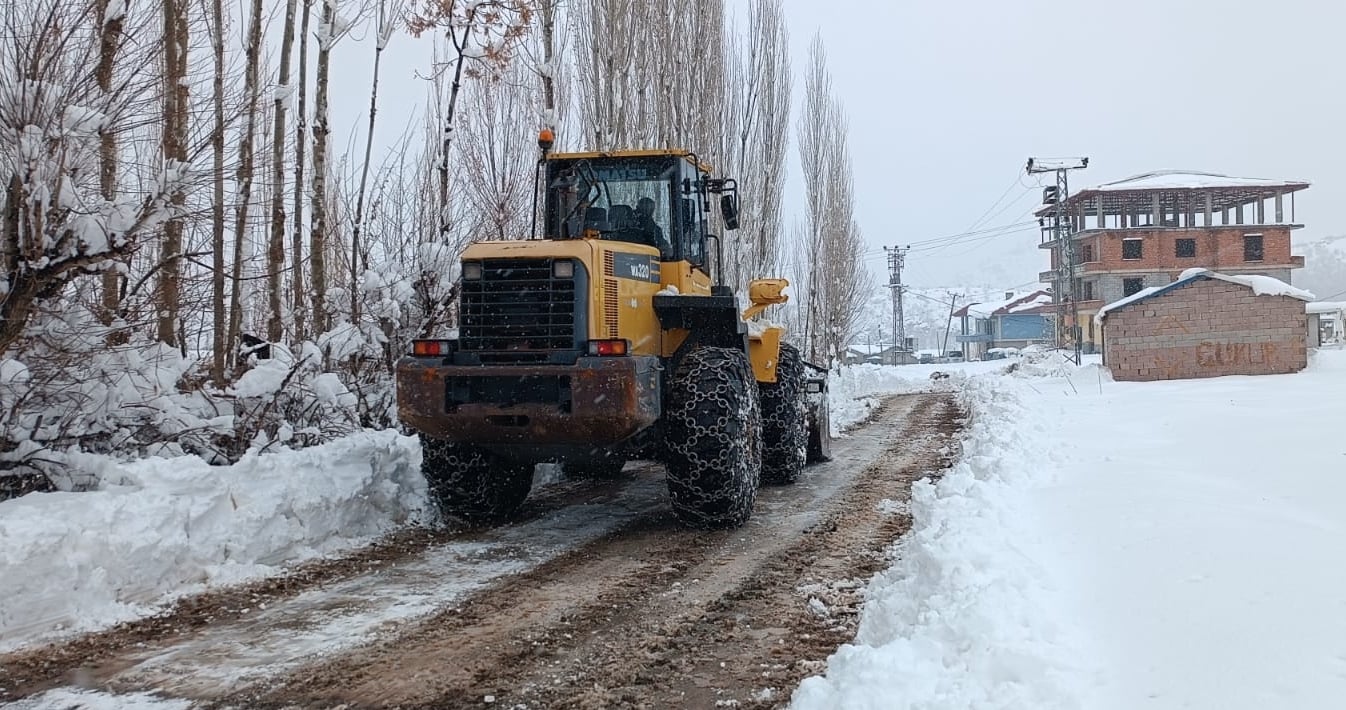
pixel 159 528
pixel 1118 545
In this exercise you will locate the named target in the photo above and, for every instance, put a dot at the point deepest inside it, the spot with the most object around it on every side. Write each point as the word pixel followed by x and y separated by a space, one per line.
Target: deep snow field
pixel 1099 544
pixel 1119 545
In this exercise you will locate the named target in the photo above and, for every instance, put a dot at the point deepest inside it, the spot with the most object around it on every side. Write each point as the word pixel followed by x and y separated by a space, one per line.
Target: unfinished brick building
pixel 1145 230
pixel 1206 324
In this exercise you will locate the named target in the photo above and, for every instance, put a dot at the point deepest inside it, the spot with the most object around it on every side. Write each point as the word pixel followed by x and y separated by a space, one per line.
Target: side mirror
pixel 729 211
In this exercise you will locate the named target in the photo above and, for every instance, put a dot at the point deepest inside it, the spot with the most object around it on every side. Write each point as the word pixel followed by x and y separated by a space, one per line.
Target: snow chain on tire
pixel 713 438
pixel 472 484
pixel 784 415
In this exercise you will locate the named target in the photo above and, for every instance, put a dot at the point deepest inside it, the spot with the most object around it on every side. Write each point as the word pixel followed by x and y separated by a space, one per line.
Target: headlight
pixel 562 269
pixel 471 270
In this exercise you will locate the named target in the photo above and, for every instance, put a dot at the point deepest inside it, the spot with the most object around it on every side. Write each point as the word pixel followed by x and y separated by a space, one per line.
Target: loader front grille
pixel 518 311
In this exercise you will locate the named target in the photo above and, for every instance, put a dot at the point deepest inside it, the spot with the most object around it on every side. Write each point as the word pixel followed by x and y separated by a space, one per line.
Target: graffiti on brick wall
pixel 1212 354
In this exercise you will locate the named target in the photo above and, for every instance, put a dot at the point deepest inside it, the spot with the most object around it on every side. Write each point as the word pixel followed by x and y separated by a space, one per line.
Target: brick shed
pixel 1206 324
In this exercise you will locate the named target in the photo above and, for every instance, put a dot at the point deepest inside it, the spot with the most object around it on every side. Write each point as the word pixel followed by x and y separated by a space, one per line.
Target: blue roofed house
pixel 1016 321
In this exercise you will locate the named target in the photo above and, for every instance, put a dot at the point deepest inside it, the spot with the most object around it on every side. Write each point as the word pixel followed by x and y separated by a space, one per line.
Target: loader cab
pixel 653 198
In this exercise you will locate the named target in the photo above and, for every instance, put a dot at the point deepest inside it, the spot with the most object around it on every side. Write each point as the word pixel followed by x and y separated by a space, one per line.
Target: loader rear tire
pixel 473 484
pixel 713 438
pixel 784 425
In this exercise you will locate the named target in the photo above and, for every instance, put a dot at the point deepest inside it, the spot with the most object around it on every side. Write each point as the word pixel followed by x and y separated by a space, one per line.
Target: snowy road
pixel 598 598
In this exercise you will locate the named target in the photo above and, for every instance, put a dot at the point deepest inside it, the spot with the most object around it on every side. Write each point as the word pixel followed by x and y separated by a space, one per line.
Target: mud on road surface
pixel 600 600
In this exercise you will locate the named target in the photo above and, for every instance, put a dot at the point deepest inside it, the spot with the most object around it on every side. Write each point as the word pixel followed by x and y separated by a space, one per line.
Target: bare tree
pixel 614 52
pixel 55 222
pixel 174 140
pixel 246 166
pixel 298 300
pixel 275 257
pixel 484 33
pixel 498 157
pixel 758 103
pixel 837 285
pixel 219 330
pixel 815 122
pixel 385 24
pixel 328 32
pixel 111 21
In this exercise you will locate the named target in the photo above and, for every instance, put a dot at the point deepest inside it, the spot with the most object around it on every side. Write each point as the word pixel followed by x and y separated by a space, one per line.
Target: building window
pixel 1184 248
pixel 1086 253
pixel 1088 294
pixel 1132 249
pixel 1252 247
pixel 1132 286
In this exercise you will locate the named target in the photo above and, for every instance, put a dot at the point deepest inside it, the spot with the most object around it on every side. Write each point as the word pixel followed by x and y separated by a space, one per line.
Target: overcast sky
pixel 948 99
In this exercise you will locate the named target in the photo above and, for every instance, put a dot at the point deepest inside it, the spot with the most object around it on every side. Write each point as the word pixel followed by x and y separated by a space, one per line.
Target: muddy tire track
pixel 36 669
pixel 637 612
pixel 654 615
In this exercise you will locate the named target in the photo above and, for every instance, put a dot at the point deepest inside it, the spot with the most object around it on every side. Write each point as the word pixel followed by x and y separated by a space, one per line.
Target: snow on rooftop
pixel 1315 307
pixel 1261 285
pixel 1190 180
pixel 1039 300
pixel 988 309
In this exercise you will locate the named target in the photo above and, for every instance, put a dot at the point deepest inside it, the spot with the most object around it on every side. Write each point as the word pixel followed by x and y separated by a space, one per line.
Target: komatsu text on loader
pixel 607 340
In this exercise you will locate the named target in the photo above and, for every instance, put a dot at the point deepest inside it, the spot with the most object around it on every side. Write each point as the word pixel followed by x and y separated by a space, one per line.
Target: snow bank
pixel 160 528
pixel 963 618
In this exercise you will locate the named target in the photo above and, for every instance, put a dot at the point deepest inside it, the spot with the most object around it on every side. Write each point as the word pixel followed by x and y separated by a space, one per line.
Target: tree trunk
pixel 300 148
pixel 318 234
pixel 220 350
pixel 275 256
pixel 383 30
pixel 175 154
pixel 460 47
pixel 109 40
pixel 246 160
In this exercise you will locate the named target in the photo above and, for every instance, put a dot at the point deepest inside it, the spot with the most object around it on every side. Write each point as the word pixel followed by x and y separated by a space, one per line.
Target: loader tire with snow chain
pixel 713 438
pixel 472 484
pixel 784 414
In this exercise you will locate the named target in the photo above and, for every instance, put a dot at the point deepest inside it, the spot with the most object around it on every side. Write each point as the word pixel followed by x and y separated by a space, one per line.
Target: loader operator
pixel 645 224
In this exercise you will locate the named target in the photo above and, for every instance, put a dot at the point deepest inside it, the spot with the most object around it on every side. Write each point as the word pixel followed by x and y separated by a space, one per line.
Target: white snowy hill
pixel 1324 272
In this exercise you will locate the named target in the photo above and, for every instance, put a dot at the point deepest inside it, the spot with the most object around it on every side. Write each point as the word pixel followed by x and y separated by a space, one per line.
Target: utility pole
pixel 1062 230
pixel 896 259
pixel 953 305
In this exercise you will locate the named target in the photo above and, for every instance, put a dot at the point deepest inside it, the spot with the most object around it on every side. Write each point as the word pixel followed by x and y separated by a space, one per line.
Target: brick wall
pixel 1217 248
pixel 1206 328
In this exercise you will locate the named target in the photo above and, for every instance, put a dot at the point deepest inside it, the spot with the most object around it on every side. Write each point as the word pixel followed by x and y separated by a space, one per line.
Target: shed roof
pixel 1136 193
pixel 1261 285
pixel 989 309
pixel 1325 307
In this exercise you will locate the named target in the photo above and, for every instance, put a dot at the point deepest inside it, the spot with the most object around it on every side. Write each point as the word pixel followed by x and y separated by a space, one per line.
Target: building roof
pixel 1002 307
pixel 1136 193
pixel 1261 285
pixel 1322 307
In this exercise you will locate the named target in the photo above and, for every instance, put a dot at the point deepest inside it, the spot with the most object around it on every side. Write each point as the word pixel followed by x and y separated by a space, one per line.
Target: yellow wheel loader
pixel 606 339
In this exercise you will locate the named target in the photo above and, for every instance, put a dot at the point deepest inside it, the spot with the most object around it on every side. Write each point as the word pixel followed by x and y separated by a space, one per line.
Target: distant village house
pixel 1016 321
pixel 1142 232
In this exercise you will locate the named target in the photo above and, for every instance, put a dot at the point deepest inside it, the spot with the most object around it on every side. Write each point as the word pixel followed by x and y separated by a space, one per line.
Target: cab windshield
pixel 622 199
